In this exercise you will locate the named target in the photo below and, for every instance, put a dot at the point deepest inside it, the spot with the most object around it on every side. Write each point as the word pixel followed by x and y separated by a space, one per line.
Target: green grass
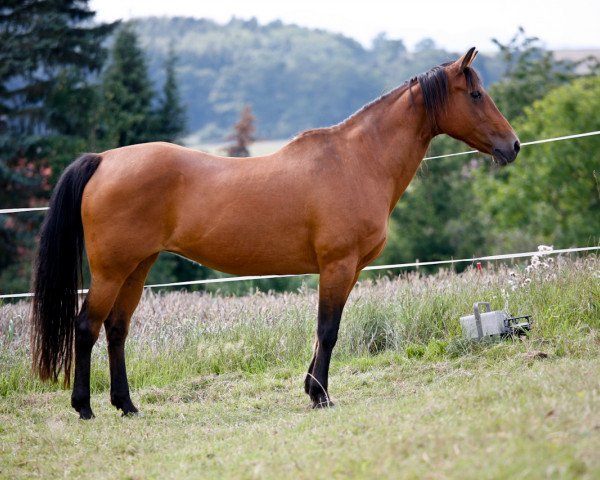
pixel 219 382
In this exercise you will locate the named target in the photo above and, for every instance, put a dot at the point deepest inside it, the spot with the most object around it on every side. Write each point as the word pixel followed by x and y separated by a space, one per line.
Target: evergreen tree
pixel 48 50
pixel 170 114
pixel 40 39
pixel 127 93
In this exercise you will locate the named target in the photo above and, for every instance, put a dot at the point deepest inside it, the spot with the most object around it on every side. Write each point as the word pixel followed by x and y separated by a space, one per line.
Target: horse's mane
pixel 434 87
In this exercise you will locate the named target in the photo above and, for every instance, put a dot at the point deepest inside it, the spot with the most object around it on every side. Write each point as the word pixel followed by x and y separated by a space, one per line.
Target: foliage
pixel 48 52
pixel 40 39
pixel 133 111
pixel 127 92
pixel 295 78
pixel 554 196
pixel 410 315
pixel 531 72
pixel 170 113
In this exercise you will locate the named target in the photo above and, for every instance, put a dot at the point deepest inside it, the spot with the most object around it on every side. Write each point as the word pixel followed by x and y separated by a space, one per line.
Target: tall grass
pixel 177 335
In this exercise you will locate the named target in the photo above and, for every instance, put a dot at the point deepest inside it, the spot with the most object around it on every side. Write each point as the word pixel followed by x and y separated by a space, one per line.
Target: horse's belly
pixel 252 252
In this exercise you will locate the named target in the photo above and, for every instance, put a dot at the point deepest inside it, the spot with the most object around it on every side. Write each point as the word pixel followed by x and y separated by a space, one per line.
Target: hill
pixel 294 78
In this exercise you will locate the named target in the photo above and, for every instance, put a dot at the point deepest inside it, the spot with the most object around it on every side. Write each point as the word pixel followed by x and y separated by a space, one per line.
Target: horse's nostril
pixel 517 146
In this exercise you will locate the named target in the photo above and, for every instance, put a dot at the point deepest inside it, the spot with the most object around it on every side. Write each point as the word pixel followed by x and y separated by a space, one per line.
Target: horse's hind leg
pixel 95 309
pixel 117 328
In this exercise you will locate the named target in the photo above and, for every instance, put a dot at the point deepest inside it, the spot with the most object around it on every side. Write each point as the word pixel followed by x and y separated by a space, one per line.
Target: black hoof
pixel 85 413
pixel 124 404
pixel 321 401
pixel 130 411
pixel 323 404
pixel 82 406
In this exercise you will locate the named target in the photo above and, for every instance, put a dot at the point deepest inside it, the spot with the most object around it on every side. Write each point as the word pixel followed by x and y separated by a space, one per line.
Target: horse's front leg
pixel 336 281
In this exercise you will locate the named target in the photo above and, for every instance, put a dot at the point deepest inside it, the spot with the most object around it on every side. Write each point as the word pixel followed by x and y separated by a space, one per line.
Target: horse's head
pixel 471 115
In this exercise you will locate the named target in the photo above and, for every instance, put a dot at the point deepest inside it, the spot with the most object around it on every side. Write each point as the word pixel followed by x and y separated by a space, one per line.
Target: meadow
pixel 219 379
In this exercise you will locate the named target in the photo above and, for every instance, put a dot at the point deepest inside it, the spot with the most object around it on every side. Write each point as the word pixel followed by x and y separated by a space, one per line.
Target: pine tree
pixel 127 93
pixel 170 114
pixel 40 39
pixel 48 51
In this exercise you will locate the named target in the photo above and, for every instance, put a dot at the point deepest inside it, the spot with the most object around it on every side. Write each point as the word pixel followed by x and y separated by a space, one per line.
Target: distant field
pixel 219 382
pixel 579 56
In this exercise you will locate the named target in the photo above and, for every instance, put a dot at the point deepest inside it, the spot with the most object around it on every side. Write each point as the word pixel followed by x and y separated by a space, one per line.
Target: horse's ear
pixel 466 60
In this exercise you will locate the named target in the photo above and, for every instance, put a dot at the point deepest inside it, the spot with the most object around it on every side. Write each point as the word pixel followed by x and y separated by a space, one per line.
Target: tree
pixel 170 114
pixel 296 78
pixel 48 52
pixel 243 134
pixel 552 193
pixel 531 72
pixel 127 92
pixel 39 40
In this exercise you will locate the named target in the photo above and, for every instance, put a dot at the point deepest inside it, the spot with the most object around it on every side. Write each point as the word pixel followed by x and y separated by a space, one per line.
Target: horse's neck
pixel 392 136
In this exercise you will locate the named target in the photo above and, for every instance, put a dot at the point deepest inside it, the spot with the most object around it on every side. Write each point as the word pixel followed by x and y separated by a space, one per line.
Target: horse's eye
pixel 476 95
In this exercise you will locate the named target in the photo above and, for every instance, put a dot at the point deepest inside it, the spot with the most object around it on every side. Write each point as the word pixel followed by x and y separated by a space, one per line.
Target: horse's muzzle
pixel 504 156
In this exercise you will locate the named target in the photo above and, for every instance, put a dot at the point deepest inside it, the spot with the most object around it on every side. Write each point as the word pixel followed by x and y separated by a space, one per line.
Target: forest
pixel 103 86
pixel 295 78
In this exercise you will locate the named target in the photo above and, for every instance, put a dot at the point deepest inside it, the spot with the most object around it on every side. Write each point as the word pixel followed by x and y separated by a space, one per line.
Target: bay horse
pixel 320 204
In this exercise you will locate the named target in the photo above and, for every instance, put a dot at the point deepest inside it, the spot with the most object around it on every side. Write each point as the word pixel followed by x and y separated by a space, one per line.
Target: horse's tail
pixel 58 273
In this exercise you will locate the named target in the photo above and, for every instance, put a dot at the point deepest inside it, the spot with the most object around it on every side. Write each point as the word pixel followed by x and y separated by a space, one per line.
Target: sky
pixel 453 24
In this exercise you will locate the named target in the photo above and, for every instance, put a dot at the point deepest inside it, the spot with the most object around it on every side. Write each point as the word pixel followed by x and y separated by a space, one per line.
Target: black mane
pixel 434 86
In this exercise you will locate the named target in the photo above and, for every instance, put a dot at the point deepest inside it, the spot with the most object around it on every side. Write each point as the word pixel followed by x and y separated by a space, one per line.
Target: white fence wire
pixel 506 256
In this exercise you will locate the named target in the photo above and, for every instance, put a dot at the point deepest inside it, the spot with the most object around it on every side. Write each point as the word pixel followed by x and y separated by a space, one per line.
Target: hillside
pixel 295 78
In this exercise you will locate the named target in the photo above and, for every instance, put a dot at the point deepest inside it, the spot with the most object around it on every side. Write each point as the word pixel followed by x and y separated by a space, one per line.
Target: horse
pixel 319 205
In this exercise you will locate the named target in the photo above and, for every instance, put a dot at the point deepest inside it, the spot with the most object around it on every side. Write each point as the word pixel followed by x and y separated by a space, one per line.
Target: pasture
pixel 219 383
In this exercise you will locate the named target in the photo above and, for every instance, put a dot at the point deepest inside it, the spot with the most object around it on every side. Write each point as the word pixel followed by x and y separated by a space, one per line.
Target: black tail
pixel 58 273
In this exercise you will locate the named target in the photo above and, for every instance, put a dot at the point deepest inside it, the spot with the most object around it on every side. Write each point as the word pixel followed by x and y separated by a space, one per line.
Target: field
pixel 219 382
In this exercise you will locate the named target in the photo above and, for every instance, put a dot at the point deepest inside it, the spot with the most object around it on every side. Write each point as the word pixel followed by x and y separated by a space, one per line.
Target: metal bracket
pixel 478 317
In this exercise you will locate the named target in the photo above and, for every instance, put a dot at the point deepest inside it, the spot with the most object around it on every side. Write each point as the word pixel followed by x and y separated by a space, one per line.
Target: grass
pixel 219 381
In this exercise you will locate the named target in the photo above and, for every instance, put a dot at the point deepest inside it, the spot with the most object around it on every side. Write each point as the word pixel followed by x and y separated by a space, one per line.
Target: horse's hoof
pixel 123 403
pixel 86 413
pixel 132 413
pixel 323 403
